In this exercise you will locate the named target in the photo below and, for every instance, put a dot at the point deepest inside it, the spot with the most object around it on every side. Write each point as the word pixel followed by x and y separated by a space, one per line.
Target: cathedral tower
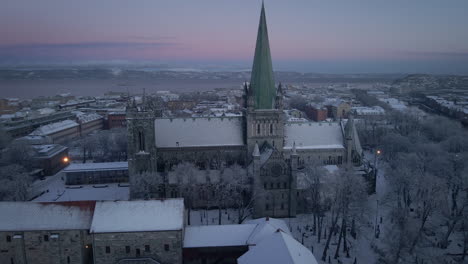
pixel 141 139
pixel 264 106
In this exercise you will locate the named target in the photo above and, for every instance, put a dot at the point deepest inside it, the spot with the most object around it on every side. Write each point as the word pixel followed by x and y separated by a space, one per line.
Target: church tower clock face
pixel 276 170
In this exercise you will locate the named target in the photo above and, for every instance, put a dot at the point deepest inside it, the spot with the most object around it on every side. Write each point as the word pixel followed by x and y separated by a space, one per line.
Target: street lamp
pixel 65 159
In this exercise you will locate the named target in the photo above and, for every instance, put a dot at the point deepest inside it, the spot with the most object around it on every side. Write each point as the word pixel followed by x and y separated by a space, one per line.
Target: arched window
pixel 258 129
pixel 271 129
pixel 141 141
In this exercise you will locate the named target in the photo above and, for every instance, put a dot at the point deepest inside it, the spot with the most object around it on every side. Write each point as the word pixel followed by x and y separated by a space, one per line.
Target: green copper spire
pixel 262 81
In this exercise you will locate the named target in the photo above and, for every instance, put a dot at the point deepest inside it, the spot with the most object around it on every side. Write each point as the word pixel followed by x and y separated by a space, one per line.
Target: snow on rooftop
pixel 217 235
pixel 313 135
pixel 265 227
pixel 198 132
pixel 123 165
pixel 138 216
pixel 54 127
pixel 26 216
pixel 86 118
pixel 278 248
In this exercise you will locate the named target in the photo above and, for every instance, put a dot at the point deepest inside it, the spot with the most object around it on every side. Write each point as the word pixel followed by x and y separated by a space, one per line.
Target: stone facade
pixel 163 246
pixel 64 246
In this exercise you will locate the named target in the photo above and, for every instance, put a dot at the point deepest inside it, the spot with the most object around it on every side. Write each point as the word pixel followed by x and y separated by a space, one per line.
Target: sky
pixel 328 36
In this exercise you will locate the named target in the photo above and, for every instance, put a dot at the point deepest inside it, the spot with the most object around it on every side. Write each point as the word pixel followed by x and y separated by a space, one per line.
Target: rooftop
pixel 217 235
pixel 198 132
pixel 123 165
pixel 138 216
pixel 27 216
pixel 312 135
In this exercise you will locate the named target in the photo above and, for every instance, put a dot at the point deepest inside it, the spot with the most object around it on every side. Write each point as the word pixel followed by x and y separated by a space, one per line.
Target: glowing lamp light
pixel 379 152
pixel 65 159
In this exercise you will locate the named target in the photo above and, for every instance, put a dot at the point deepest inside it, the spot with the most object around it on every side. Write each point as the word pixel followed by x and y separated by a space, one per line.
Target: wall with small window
pixel 164 246
pixel 64 246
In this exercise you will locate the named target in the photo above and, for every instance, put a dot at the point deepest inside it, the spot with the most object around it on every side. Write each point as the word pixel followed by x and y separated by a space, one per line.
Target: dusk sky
pixel 362 36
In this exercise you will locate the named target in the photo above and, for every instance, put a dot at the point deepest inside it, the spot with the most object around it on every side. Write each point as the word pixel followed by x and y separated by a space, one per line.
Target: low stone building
pixel 92 232
pixel 45 233
pixel 125 230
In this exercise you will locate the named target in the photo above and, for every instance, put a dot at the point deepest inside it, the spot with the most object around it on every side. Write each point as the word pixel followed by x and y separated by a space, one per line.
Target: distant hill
pixel 426 82
pixel 89 73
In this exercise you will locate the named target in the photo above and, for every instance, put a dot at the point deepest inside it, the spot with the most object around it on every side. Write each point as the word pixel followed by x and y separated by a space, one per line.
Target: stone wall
pixel 164 247
pixel 44 247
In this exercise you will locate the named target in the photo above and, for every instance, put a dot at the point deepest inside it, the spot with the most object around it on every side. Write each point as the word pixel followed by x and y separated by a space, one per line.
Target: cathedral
pixel 269 147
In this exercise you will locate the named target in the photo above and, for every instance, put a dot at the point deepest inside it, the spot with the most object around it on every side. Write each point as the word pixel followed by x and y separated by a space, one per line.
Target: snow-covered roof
pixel 138 216
pixel 265 227
pixel 312 135
pixel 27 216
pixel 123 165
pixel 363 110
pixel 54 127
pixel 278 248
pixel 86 118
pixel 198 132
pixel 217 235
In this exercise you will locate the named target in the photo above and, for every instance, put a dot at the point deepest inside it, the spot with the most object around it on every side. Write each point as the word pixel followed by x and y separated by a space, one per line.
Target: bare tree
pixel 145 185
pixel 14 183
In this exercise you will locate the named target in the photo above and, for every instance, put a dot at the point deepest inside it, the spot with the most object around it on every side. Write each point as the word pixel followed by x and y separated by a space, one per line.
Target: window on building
pixel 147 248
pixel 271 129
pixel 127 249
pixel 258 129
pixel 46 238
pixel 282 206
pixel 265 186
pixel 107 249
pixel 12 261
pixel 8 238
pixel 68 259
pixel 137 252
pixel 267 207
pixel 271 185
pixel 285 185
pixel 141 141
pixel 278 185
pixel 166 247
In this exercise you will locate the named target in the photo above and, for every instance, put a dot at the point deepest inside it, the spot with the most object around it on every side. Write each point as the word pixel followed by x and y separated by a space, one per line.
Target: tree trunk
pixel 219 215
pixel 188 216
pixel 332 227
pixel 345 244
pixel 319 226
pixel 337 252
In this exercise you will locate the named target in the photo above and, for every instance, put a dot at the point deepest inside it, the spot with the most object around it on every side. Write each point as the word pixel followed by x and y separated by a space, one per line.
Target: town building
pixel 89 123
pixel 116 119
pixel 317 112
pixel 92 232
pixel 23 126
pixel 50 158
pixel 141 231
pixel 271 148
pixel 59 132
pixel 96 173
